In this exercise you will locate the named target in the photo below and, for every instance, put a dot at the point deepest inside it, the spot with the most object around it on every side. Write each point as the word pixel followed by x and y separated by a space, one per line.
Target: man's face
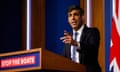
pixel 74 19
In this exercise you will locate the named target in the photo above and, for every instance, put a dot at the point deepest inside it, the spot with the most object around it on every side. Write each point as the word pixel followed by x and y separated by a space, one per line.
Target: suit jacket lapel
pixel 83 34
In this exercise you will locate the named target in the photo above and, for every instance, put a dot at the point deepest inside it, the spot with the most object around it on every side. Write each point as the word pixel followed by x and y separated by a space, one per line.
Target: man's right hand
pixel 67 39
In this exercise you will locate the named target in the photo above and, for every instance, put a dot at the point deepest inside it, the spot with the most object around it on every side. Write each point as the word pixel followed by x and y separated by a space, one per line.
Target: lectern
pixel 37 59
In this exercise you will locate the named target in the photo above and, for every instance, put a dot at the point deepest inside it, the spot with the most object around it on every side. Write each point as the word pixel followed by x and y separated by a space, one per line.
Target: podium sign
pixel 37 59
pixel 25 60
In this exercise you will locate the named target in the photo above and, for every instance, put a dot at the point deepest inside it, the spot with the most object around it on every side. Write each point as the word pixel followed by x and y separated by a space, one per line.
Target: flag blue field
pixel 108 22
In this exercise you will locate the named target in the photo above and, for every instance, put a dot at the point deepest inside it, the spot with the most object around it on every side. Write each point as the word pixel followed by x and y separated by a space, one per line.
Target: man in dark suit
pixel 82 46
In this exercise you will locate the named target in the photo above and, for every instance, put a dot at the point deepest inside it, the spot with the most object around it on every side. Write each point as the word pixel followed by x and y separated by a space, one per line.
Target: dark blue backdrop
pixel 10 25
pixel 56 23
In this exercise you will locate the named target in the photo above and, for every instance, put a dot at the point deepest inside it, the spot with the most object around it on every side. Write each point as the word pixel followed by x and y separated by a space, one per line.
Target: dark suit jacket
pixel 88 52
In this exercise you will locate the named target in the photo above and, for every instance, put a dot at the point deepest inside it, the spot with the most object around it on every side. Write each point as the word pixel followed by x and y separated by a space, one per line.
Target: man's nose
pixel 73 17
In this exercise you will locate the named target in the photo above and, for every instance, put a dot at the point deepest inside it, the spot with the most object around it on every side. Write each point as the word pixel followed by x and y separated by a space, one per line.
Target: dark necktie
pixel 74 47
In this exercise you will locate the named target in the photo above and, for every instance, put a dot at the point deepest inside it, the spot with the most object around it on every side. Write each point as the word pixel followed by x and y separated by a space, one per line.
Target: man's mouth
pixel 74 23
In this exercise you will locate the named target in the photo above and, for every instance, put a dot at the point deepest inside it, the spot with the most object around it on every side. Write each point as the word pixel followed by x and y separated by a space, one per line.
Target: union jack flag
pixel 115 38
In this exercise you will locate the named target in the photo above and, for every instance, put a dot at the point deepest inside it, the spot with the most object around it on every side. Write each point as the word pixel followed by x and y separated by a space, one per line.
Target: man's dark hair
pixel 74 7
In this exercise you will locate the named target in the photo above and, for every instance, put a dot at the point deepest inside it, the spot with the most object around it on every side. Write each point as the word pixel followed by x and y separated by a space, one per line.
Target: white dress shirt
pixel 78 40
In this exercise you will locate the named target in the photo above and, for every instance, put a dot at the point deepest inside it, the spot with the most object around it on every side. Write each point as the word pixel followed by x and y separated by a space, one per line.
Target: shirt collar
pixel 79 30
